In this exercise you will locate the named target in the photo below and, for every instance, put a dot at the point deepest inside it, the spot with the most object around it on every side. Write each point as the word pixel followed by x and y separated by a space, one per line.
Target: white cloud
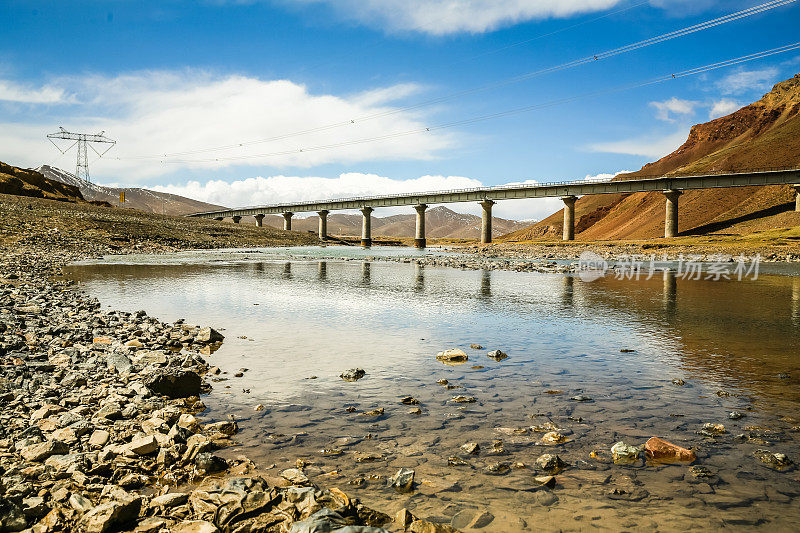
pixel 14 92
pixel 722 107
pixel 673 106
pixel 650 146
pixel 150 113
pixel 442 17
pixel 742 80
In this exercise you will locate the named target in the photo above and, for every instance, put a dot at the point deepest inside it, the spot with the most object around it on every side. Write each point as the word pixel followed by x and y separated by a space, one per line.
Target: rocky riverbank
pixel 101 409
pixel 99 431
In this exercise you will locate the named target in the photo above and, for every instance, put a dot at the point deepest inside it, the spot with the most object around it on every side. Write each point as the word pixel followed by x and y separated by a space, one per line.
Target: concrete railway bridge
pixel 569 192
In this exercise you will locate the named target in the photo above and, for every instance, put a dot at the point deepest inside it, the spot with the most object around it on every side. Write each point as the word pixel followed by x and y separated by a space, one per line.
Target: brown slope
pixel 765 134
pixel 24 182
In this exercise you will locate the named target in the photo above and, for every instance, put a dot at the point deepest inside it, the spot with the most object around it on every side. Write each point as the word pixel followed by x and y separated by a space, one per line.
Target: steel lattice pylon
pixel 83 142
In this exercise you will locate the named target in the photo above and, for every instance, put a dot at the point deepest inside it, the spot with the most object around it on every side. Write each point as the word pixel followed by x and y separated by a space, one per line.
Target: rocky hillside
pixel 440 222
pixel 135 198
pixel 23 182
pixel 763 134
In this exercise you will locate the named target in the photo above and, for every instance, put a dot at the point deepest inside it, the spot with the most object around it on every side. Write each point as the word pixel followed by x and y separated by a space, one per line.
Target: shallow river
pixel 694 351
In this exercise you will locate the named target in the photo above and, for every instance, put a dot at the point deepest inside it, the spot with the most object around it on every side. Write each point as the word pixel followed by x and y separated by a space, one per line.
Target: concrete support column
pixel 259 220
pixel 796 197
pixel 287 221
pixel 323 224
pixel 237 219
pixel 671 215
pixel 569 217
pixel 366 226
pixel 419 238
pixel 486 223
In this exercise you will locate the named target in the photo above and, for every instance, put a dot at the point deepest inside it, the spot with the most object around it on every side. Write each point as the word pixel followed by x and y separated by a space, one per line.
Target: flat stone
pixel 40 452
pixel 661 450
pixel 144 445
pixel 194 526
pixel 171 499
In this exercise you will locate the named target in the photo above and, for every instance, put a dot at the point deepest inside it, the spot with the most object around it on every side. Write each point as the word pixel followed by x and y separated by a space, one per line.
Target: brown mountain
pixel 440 222
pixel 24 182
pixel 135 198
pixel 764 134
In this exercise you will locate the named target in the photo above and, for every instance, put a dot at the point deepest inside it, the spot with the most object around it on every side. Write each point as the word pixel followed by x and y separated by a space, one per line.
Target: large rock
pixel 403 481
pixel 43 450
pixel 144 445
pixel 175 383
pixel 208 335
pixel 11 516
pixel 111 514
pixel 119 362
pixel 452 356
pixel 663 451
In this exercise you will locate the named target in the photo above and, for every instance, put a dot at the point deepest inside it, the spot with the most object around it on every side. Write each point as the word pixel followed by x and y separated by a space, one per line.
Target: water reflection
pixel 322 271
pixel 486 284
pixel 366 272
pixel 568 292
pixel 670 292
pixel 796 301
pixel 419 277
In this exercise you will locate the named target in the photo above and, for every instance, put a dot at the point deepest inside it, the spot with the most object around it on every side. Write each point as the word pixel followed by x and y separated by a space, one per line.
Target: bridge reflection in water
pixel 744 331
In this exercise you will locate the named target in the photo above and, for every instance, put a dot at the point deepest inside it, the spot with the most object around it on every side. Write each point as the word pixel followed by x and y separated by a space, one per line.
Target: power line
pixel 761 8
pixel 468 121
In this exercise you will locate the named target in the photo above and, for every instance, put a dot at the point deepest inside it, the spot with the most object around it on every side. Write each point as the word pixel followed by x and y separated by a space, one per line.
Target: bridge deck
pixel 511 192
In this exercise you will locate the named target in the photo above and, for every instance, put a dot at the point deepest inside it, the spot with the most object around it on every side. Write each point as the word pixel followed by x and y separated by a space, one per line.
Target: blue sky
pixel 176 76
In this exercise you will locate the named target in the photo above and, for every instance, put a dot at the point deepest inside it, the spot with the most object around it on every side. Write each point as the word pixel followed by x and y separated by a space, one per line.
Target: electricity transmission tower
pixel 82 140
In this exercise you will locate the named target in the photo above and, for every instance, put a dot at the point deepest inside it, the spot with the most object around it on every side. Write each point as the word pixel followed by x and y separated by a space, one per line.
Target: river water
pixel 651 357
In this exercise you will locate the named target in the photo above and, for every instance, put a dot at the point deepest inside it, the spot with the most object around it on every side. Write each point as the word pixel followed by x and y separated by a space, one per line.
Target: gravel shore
pixel 101 409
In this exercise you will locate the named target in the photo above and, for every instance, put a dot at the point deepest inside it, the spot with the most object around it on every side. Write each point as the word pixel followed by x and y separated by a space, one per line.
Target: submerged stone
pixel 454 356
pixel 353 374
pixel 661 450
pixel 623 454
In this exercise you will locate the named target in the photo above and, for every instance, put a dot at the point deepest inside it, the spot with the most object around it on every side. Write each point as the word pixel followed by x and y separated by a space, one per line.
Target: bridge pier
pixel 323 224
pixel 796 197
pixel 486 222
pixel 366 227
pixel 419 239
pixel 671 215
pixel 569 217
pixel 237 219
pixel 259 220
pixel 287 221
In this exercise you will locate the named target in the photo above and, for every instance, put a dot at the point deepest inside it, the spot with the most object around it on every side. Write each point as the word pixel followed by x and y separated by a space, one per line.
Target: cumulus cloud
pixel 653 147
pixel 722 107
pixel 742 81
pixel 177 112
pixel 442 17
pixel 14 92
pixel 673 106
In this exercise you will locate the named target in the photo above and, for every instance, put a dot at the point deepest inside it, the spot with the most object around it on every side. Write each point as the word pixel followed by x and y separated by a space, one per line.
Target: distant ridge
pixel 136 198
pixel 763 134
